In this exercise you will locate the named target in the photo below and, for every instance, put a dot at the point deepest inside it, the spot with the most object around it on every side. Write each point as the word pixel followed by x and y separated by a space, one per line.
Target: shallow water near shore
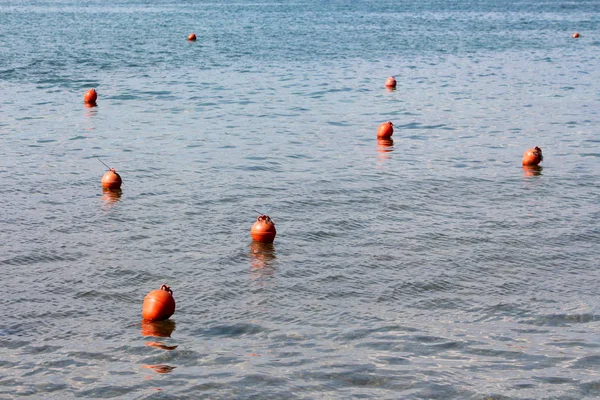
pixel 434 266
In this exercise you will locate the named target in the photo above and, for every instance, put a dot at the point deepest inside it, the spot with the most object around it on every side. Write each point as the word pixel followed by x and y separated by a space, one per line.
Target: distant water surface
pixel 433 267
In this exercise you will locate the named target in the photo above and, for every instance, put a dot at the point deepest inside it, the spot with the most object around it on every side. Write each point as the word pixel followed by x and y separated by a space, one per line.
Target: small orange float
pixel 158 304
pixel 385 130
pixel 192 37
pixel 390 83
pixel 263 230
pixel 576 35
pixel 89 98
pixel 533 156
pixel 111 180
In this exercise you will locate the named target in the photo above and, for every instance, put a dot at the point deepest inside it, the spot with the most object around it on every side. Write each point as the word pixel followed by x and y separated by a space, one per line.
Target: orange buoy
pixel 111 180
pixel 385 130
pixel 390 83
pixel 89 98
pixel 263 230
pixel 158 304
pixel 192 37
pixel 533 156
pixel 576 35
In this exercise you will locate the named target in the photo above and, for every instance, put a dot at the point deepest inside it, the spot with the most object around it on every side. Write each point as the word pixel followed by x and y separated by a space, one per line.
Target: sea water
pixel 433 267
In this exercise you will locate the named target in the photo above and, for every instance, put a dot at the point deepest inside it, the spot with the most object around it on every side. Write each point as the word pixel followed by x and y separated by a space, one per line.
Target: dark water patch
pixel 41 258
pixel 41 349
pixel 235 330
pixel 123 97
pixel 590 388
pixel 556 380
pixel 105 392
pixel 317 236
pixel 208 386
pixel 571 344
pixel 560 319
pixel 592 361
pixel 394 360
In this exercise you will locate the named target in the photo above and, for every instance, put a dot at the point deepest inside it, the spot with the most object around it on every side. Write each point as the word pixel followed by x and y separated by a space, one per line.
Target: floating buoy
pixel 192 37
pixel 576 35
pixel 158 304
pixel 263 230
pixel 385 130
pixel 89 98
pixel 390 83
pixel 533 156
pixel 111 180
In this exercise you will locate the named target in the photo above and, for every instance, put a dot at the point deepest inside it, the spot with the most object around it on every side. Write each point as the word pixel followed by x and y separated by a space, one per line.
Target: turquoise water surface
pixel 433 267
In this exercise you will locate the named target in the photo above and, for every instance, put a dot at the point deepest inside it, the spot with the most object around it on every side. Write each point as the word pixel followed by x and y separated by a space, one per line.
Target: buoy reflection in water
pixel 160 368
pixel 158 328
pixel 532 170
pixel 262 256
pixel 111 196
pixel 384 147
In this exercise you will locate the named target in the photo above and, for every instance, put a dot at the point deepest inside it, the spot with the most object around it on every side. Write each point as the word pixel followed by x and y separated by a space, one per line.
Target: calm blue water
pixel 435 267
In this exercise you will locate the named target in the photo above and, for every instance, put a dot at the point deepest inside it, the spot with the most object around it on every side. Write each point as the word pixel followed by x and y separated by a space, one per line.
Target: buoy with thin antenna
pixel 90 97
pixel 192 37
pixel 158 304
pixel 110 180
pixel 390 83
pixel 263 230
pixel 533 156
pixel 385 130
